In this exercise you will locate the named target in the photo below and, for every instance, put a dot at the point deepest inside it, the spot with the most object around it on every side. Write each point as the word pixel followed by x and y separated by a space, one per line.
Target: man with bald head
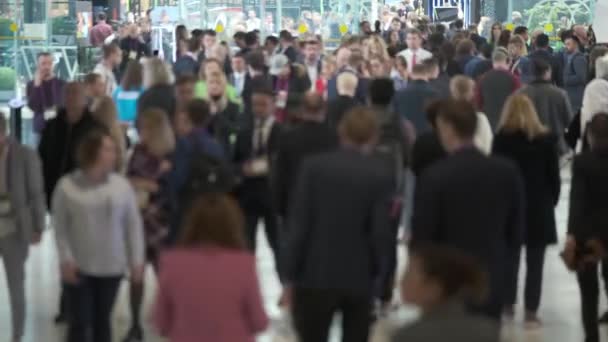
pixel 310 136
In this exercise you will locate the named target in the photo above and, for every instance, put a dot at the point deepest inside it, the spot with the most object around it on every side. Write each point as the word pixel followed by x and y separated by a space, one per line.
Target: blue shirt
pixel 126 103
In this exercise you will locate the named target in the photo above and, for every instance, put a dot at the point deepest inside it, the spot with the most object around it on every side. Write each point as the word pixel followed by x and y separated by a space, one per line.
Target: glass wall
pixel 536 14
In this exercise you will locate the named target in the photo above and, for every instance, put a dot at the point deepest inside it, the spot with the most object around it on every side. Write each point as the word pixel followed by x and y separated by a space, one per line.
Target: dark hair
pixel 486 51
pixel 240 54
pixel 542 40
pixel 132 78
pixel 272 39
pixel 459 275
pixel 504 38
pixel 435 41
pixel 43 54
pixel 109 49
pixel 185 79
pixel 194 44
pixel 198 112
pixel 540 68
pixel 359 125
pixel 209 32
pixel 214 219
pixel 89 147
pixel 465 47
pixel 196 33
pixel 520 30
pixel 91 78
pixel 285 35
pixel 181 32
pixel 565 35
pixel 256 60
pixel 597 130
pixel 251 38
pixel 381 91
pixel 238 36
pixel 459 24
pixel 101 16
pixel 460 115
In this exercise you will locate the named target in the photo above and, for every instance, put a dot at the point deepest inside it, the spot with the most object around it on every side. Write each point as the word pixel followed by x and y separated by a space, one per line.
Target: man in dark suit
pixel 187 64
pixel 469 201
pixel 412 101
pixel 354 60
pixel 588 220
pixel 543 53
pixel 346 85
pixel 338 234
pixel 254 151
pixel 256 75
pixel 309 137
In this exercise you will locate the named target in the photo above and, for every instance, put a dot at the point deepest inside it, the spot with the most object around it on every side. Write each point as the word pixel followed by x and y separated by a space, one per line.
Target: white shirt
pixel 239 82
pixel 107 76
pixel 483 134
pixel 421 55
pixel 313 73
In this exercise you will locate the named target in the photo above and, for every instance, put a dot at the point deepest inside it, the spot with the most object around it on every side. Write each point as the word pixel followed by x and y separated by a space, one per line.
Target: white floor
pixel 559 309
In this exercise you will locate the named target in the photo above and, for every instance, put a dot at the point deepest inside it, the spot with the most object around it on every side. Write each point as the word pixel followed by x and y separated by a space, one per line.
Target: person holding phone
pixel 588 221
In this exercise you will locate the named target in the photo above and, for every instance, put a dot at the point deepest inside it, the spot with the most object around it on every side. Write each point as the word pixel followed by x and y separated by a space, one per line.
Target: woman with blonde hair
pixel 147 168
pixel 520 64
pixel 106 115
pixel 158 87
pixel 463 88
pixel 225 307
pixel 523 139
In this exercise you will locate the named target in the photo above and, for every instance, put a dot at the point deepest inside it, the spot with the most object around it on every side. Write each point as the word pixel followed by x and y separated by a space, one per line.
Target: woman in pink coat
pixel 208 287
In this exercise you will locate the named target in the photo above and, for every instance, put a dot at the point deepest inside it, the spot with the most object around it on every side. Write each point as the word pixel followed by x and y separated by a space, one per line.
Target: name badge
pixel 133 55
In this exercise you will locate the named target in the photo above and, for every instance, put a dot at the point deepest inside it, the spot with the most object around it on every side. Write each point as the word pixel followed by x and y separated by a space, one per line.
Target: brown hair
pixel 201 73
pixel 133 78
pixel 459 275
pixel 462 87
pixel 198 112
pixel 88 149
pixel 214 219
pixel 91 78
pixel 157 122
pixel 360 126
pixel 460 115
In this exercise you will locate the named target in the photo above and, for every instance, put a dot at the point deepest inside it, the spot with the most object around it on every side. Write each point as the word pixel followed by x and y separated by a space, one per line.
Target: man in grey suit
pixel 22 213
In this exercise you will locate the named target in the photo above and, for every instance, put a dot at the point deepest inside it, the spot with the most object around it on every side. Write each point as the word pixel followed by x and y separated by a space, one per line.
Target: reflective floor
pixel 559 309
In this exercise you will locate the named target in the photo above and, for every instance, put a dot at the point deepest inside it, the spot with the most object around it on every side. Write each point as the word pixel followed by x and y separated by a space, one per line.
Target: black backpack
pixel 207 174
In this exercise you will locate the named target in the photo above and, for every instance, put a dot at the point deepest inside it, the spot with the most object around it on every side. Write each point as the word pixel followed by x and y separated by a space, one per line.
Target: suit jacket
pixel 538 161
pixel 160 97
pixel 492 92
pixel 411 103
pixel 362 87
pixel 575 78
pixel 336 109
pixel 255 190
pixel 338 236
pixel 295 145
pixel 474 203
pixel 185 65
pixel 26 190
pixel 549 58
pixel 588 217
pixel 449 320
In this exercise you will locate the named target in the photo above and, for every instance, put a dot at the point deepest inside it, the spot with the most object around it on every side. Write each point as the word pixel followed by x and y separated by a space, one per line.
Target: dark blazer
pixel 336 109
pixel 224 127
pixel 411 103
pixel 492 92
pixel 185 65
pixel 250 83
pixel 474 203
pixel 253 191
pixel 299 82
pixel 449 320
pixel 538 162
pixel 362 87
pixel 426 151
pixel 57 148
pixel 304 140
pixel 159 97
pixel 588 217
pixel 338 235
pixel 441 85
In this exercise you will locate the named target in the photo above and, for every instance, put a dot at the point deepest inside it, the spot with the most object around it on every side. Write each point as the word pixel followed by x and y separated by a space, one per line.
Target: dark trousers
pixel 252 216
pixel 313 311
pixel 588 283
pixel 91 301
pixel 535 261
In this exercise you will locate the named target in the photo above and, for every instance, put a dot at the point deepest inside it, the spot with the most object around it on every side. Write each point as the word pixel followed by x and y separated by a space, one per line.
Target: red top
pixel 209 294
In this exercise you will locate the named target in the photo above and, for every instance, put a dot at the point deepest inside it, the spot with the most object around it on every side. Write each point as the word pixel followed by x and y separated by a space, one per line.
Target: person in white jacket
pixel 463 88
pixel 595 98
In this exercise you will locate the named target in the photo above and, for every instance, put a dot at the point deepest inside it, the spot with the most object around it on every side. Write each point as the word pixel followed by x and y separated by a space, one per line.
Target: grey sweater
pixel 97 226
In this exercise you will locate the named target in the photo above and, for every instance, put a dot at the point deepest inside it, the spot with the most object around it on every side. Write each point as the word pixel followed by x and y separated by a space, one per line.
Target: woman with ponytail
pixel 442 282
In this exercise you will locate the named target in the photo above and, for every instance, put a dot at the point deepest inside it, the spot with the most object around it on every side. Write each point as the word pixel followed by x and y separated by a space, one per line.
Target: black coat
pixel 538 162
pixel 252 192
pixel 186 65
pixel 473 203
pixel 588 216
pixel 159 97
pixel 338 236
pixel 556 66
pixel 426 151
pixel 295 145
pixel 412 101
pixel 224 127
pixel 58 147
pixel 336 109
pixel 299 82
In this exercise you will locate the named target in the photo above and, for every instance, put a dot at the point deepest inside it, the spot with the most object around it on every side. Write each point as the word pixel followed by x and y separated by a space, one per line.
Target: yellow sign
pixel 13 27
pixel 219 28
pixel 303 28
pixel 548 27
pixel 510 27
pixel 343 29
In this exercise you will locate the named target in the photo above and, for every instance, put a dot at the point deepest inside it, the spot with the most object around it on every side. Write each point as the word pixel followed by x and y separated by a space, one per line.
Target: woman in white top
pixel 463 88
pixel 99 236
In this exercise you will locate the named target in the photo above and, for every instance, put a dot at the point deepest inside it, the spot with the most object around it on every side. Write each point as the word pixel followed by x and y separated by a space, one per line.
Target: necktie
pixel 413 58
pixel 259 139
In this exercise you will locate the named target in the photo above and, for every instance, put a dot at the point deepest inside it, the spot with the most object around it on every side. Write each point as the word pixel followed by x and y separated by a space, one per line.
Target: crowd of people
pixel 426 136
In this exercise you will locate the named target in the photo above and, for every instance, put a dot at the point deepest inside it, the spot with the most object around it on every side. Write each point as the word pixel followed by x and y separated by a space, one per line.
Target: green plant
pixel 8 76
pixel 553 11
